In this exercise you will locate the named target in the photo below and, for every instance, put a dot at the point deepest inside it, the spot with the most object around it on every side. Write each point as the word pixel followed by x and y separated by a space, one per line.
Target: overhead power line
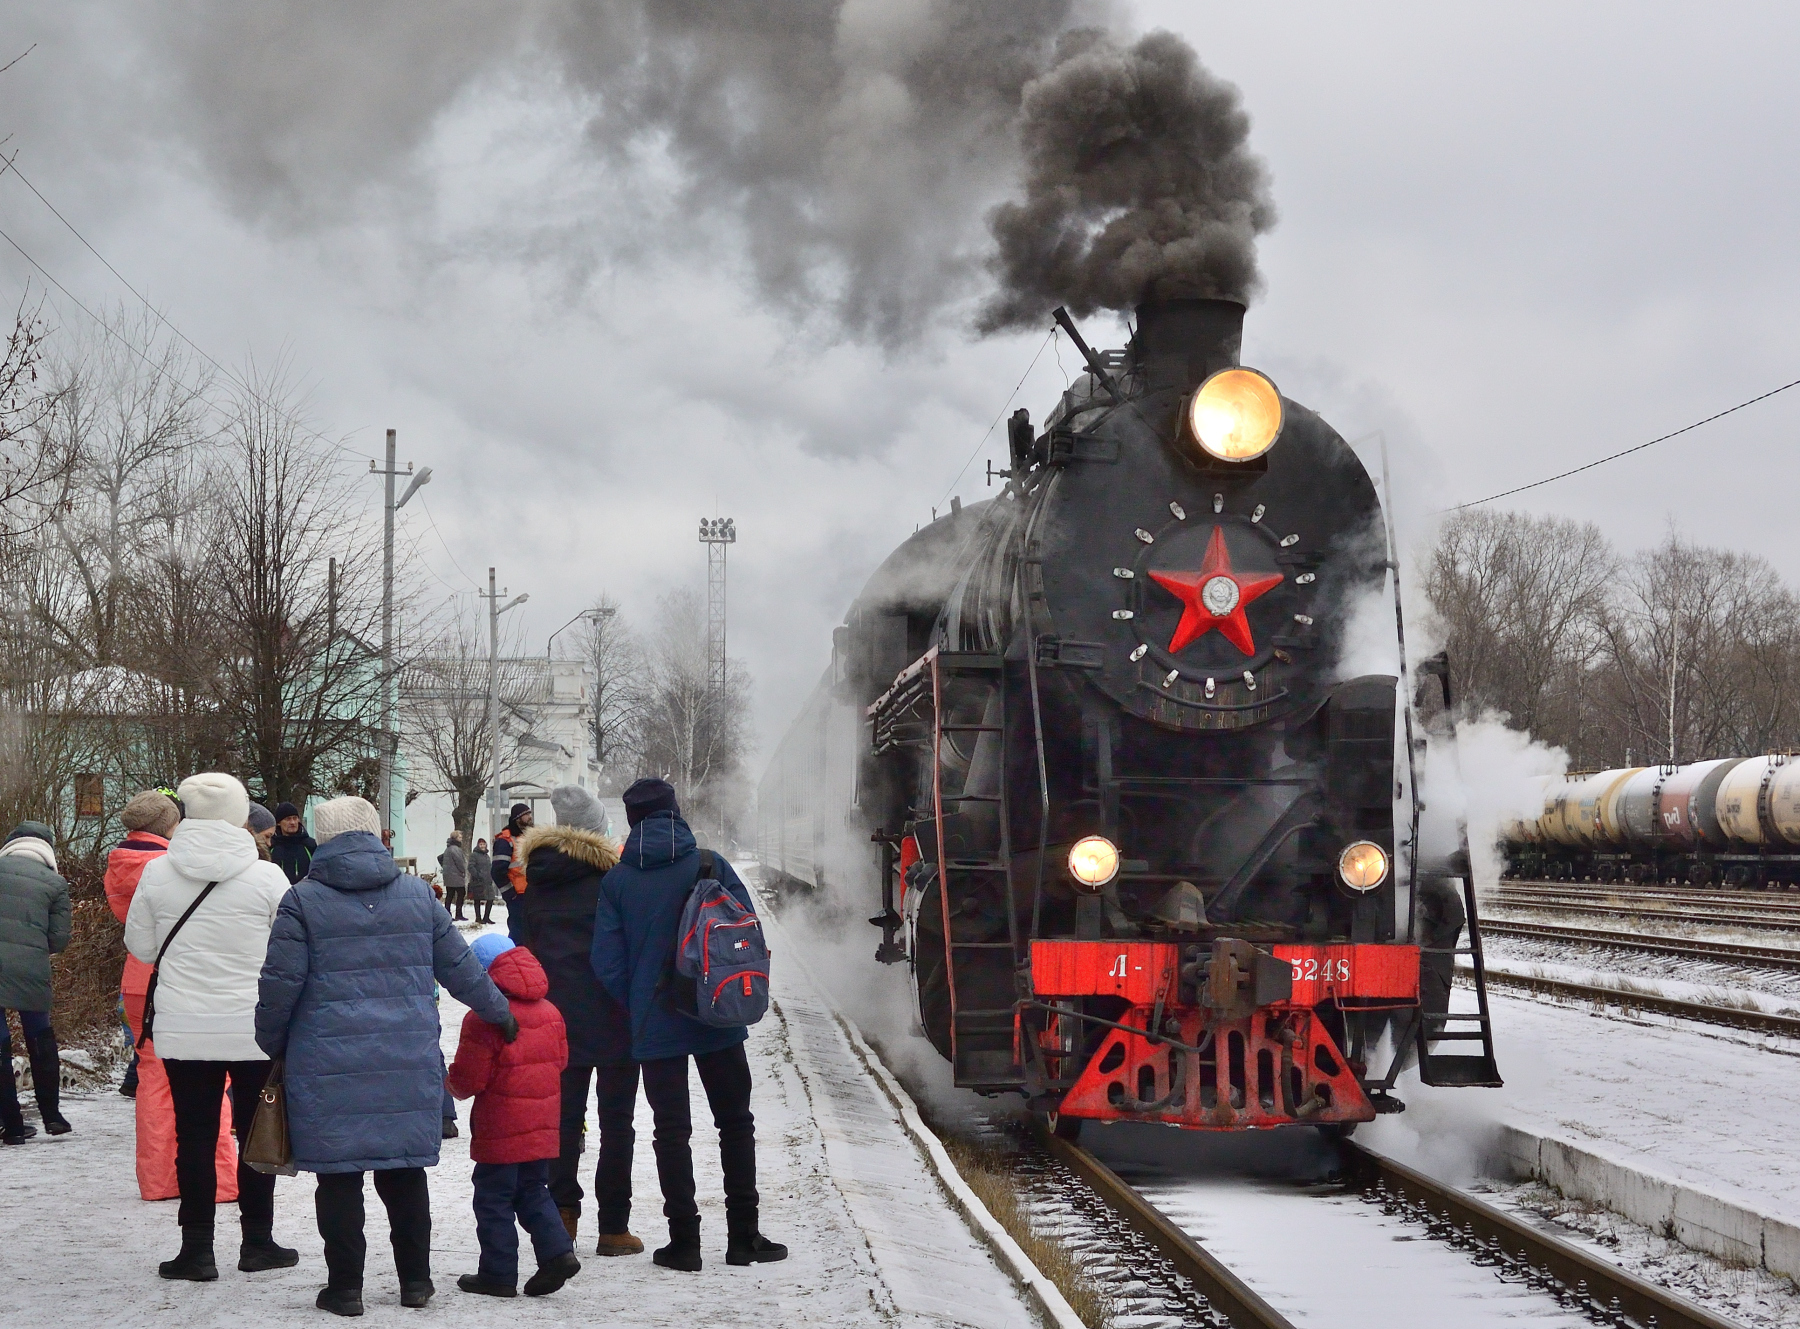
pixel 1626 452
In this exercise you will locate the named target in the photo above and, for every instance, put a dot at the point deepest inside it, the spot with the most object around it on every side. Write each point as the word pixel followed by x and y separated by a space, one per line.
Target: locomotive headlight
pixel 1363 866
pixel 1093 861
pixel 1236 415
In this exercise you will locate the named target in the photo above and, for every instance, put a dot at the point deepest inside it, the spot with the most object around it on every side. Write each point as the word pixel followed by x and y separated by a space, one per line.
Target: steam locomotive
pixel 1132 836
pixel 1732 821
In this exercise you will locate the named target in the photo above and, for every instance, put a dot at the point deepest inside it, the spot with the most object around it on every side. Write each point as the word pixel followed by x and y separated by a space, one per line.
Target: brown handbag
pixel 268 1149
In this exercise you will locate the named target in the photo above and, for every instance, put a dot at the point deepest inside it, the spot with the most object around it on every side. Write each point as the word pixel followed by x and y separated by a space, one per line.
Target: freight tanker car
pixel 1731 821
pixel 1085 753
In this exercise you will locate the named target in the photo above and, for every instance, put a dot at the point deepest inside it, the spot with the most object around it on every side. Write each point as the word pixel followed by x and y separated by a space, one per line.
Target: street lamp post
pixel 495 609
pixel 390 741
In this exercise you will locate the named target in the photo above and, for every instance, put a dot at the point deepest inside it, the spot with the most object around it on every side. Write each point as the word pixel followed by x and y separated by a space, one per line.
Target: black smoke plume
pixel 1138 184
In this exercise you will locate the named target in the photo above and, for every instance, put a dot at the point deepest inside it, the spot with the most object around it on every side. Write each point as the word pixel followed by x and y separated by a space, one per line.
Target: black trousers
pixel 615 1093
pixel 339 1204
pixel 196 1088
pixel 453 899
pixel 726 1077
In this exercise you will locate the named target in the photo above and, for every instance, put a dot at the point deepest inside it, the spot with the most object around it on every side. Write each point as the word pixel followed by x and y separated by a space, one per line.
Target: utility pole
pixel 495 609
pixel 717 534
pixel 390 741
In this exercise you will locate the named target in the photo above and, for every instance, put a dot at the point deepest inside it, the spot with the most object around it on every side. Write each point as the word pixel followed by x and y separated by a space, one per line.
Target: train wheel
pixel 1063 1128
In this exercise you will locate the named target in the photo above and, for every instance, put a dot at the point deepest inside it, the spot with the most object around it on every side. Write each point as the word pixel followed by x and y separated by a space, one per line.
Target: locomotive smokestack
pixel 1180 342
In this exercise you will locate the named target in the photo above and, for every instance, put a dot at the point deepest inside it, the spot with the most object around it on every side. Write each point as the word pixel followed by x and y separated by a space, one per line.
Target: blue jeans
pixel 504 1191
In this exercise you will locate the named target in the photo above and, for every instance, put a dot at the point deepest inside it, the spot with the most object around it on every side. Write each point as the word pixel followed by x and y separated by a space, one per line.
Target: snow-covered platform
pixel 1683 1128
pixel 874 1239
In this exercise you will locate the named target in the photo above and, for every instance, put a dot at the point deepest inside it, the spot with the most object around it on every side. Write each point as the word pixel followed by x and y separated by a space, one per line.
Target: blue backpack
pixel 720 946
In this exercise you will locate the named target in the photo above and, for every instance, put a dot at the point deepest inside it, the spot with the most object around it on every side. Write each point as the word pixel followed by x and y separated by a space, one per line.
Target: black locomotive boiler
pixel 1085 749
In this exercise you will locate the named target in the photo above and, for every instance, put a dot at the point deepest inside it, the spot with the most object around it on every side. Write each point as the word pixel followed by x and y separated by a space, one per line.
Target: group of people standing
pixel 240 971
pixel 468 879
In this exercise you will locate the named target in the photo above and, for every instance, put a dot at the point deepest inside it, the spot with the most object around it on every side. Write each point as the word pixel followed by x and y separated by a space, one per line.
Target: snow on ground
pixel 872 1239
pixel 1630 978
pixel 1710 1107
pixel 1741 981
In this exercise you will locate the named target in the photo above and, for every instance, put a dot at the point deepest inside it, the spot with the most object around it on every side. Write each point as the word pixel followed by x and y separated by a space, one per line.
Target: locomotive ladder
pixel 1464 1070
pixel 980 972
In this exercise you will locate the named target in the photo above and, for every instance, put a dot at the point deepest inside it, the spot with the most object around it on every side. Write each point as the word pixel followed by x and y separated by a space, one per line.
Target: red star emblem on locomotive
pixel 1215 597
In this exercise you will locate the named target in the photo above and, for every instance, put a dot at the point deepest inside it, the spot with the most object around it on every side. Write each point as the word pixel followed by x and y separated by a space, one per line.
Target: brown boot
pixel 571 1220
pixel 618 1243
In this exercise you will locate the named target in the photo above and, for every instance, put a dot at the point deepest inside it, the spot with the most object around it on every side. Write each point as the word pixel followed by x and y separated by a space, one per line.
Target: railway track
pixel 1733 1017
pixel 1516 1250
pixel 1613 906
pixel 1778 899
pixel 1709 952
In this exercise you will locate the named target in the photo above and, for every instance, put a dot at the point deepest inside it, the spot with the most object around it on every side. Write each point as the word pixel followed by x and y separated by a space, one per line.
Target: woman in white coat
pixel 205 1007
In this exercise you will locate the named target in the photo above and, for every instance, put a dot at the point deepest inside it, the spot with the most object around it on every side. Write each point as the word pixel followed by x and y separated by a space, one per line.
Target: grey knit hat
pixel 150 811
pixel 575 806
pixel 337 816
pixel 261 819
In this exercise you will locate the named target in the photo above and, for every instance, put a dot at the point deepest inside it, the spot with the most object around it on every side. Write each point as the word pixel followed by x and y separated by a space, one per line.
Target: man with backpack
pixel 637 927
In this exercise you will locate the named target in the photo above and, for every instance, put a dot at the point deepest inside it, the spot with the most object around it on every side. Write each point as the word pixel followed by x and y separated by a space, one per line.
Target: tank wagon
pixel 1084 749
pixel 1729 821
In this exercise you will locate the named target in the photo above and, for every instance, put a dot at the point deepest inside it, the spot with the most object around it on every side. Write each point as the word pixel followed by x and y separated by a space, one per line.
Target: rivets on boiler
pixel 1179 511
pixel 1212 686
pixel 1218 502
pixel 1126 574
pixel 1139 651
pixel 1304 620
pixel 1250 680
pixel 1171 676
pixel 1258 514
pixel 1306 578
pixel 1126 613
pixel 1287 540
pixel 1150 539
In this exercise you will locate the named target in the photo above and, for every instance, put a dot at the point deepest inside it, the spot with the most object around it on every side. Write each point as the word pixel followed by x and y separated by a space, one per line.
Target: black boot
pixel 13 1129
pixel 46 1081
pixel 195 1263
pixel 340 1300
pixel 415 1294
pixel 487 1287
pixel 745 1243
pixel 552 1275
pixel 683 1250
pixel 128 1086
pixel 259 1252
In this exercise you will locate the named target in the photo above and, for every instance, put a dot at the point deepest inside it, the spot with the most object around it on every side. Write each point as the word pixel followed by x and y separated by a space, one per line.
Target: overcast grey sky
pixel 1513 238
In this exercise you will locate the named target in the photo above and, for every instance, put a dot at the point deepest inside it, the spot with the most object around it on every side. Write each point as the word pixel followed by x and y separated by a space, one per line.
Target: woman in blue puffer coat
pixel 347 998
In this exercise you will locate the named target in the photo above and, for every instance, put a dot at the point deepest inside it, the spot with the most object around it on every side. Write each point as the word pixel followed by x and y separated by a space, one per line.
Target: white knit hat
pixel 338 815
pixel 214 796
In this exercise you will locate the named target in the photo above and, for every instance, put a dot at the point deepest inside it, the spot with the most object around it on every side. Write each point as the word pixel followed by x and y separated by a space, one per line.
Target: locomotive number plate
pixel 1357 970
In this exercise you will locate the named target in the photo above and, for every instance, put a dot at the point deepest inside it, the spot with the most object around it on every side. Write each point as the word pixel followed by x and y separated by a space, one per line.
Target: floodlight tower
pixel 716 533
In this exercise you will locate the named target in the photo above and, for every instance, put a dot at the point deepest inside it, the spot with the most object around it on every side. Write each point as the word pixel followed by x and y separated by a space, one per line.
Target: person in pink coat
pixel 149 819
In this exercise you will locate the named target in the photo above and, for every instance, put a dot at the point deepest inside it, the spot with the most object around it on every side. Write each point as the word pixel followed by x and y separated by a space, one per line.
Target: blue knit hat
pixel 486 947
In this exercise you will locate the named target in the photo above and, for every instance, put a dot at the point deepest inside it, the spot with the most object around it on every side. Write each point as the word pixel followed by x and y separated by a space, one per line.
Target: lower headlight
pixel 1093 861
pixel 1363 866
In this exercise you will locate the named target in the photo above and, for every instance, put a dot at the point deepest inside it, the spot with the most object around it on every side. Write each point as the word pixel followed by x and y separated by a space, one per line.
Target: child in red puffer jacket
pixel 515 1128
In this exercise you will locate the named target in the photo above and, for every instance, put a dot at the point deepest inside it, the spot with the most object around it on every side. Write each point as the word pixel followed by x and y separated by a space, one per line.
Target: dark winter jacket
pixel 481 878
pixel 34 920
pixel 506 846
pixel 293 854
pixel 347 997
pixel 563 869
pixel 634 936
pixel 517 1086
pixel 455 865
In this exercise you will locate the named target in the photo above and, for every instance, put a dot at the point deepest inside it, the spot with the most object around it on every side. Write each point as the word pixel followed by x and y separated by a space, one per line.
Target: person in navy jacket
pixel 634 942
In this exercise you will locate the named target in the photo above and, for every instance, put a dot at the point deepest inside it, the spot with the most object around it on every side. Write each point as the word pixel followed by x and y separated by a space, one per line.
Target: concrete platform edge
pixel 1675 1209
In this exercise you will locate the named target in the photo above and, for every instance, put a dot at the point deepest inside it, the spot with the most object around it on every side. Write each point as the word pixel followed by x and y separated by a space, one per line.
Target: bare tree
pixel 444 713
pixel 32 456
pixel 688 736
pixel 298 673
pixel 621 686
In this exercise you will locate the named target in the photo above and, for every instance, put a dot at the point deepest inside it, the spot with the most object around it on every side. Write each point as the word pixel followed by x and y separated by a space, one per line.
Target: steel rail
pixel 1713 919
pixel 1766 1022
pixel 1605 1288
pixel 1225 1290
pixel 1712 952
pixel 1662 896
